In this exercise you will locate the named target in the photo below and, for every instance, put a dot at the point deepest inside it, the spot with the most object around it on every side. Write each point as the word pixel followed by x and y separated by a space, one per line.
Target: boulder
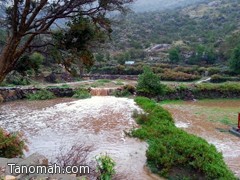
pixel 8 177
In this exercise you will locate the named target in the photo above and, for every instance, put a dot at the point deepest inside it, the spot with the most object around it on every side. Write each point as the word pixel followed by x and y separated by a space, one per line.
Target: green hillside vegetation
pixel 202 34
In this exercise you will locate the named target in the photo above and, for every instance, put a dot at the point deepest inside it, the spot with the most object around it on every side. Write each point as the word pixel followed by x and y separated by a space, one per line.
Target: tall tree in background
pixel 174 55
pixel 234 62
pixel 24 20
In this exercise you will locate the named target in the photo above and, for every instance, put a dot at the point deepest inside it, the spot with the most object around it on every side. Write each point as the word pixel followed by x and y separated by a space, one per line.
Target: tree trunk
pixel 8 57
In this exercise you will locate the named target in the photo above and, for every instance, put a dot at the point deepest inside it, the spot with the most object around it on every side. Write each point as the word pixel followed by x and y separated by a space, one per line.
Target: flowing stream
pixel 99 122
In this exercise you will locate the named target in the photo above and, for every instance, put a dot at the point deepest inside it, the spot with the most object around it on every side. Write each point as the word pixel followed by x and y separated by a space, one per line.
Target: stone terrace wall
pixel 111 77
pixel 11 94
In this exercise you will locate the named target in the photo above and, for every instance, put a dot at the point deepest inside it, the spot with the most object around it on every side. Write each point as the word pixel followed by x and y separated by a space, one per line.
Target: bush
pixel 149 83
pixel 216 78
pixel 234 62
pixel 213 70
pixel 170 75
pixel 16 78
pixel 82 94
pixel 104 81
pixel 121 93
pixel 170 147
pixel 11 144
pixel 105 166
pixel 42 94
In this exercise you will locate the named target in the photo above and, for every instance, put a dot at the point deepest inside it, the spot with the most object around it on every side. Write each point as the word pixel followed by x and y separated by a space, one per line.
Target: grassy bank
pixel 224 111
pixel 174 153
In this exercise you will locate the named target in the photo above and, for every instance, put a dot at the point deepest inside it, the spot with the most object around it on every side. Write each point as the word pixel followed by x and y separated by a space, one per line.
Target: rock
pixel 52 78
pixel 35 159
pixel 8 177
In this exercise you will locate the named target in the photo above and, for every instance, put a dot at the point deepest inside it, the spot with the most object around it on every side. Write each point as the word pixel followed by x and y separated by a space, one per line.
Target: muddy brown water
pixel 99 122
pixel 185 117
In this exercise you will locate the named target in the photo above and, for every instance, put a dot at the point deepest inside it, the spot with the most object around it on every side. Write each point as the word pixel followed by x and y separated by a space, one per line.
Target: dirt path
pixel 204 119
pixel 99 122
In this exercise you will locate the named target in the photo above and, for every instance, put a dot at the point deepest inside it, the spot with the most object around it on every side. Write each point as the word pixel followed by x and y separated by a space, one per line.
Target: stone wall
pixel 11 94
pixel 111 77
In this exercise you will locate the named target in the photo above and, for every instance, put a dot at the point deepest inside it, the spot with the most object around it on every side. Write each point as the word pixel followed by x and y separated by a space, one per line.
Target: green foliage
pixel 170 75
pixel 28 63
pixel 42 94
pixel 99 57
pixel 103 81
pixel 75 43
pixel 170 147
pixel 11 144
pixel 105 166
pixel 121 93
pixel 126 91
pixel 174 55
pixel 234 61
pixel 119 82
pixel 149 83
pixel 16 78
pixel 225 87
pixel 82 94
pixel 202 55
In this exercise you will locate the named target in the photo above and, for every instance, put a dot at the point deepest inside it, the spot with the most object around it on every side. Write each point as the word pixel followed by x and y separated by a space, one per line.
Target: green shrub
pixel 11 144
pixel 104 81
pixel 225 87
pixel 119 82
pixel 105 167
pixel 16 78
pixel 130 88
pixel 82 94
pixel 149 83
pixel 121 93
pixel 170 147
pixel 170 75
pixel 213 70
pixel 127 90
pixel 217 78
pixel 42 94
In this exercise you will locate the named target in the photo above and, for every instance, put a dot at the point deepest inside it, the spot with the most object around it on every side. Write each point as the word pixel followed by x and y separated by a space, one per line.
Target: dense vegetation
pixel 204 28
pixel 11 144
pixel 203 34
pixel 171 148
pixel 42 94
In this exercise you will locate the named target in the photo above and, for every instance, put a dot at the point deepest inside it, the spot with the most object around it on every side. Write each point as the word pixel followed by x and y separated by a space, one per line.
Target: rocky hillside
pixel 208 25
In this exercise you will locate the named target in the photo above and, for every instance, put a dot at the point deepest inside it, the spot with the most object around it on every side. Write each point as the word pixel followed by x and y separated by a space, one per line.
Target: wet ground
pixel 99 122
pixel 211 120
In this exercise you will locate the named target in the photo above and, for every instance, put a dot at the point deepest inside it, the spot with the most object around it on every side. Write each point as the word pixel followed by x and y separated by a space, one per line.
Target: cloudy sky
pixel 149 5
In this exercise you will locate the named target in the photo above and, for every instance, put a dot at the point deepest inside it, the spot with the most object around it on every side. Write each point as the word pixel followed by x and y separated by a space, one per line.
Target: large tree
pixel 24 20
pixel 234 61
pixel 73 46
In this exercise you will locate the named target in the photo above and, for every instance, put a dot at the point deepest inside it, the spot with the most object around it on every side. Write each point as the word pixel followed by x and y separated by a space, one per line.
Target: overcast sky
pixel 149 5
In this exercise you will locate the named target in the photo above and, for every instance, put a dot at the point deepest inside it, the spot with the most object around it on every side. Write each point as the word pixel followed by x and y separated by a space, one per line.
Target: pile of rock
pixel 33 160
